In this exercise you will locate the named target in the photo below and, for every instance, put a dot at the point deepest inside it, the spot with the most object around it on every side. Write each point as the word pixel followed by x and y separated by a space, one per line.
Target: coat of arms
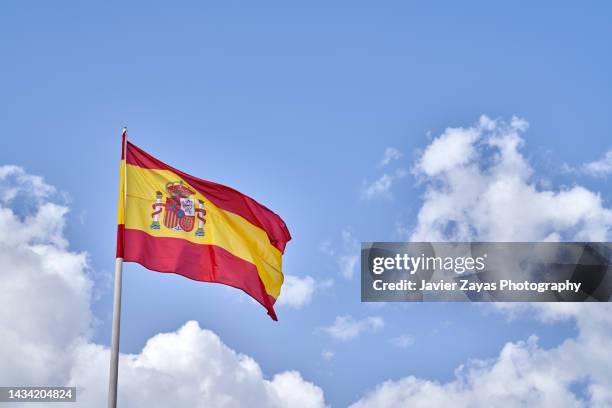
pixel 180 212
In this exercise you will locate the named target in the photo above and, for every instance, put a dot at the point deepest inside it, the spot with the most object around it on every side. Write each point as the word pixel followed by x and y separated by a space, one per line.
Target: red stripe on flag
pixel 223 197
pixel 205 263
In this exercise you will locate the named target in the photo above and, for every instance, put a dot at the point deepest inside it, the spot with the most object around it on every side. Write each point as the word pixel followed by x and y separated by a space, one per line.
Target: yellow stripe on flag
pixel 120 213
pixel 223 228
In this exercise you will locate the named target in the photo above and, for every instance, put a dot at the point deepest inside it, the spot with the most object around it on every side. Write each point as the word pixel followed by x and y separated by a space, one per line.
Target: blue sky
pixel 295 104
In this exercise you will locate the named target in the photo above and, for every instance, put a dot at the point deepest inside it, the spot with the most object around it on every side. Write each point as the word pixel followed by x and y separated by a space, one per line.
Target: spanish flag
pixel 170 221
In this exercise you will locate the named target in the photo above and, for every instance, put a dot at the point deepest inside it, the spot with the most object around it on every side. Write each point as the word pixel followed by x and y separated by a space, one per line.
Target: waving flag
pixel 170 221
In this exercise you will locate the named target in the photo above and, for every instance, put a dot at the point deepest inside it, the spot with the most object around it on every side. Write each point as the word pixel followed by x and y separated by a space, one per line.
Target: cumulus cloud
pixel 347 328
pixel 298 292
pixel 381 187
pixel 477 184
pixel 455 147
pixel 601 167
pixel 327 248
pixel 488 192
pixel 46 321
pixel 350 256
pixel 524 374
pixel 14 181
pixel 390 154
pixel 39 329
pixel 347 256
pixel 348 264
pixel 189 367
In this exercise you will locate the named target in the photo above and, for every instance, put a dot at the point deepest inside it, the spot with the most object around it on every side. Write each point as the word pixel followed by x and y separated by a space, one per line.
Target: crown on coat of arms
pixel 177 189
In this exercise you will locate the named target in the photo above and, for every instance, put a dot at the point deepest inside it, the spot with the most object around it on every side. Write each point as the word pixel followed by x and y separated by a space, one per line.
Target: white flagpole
pixel 114 361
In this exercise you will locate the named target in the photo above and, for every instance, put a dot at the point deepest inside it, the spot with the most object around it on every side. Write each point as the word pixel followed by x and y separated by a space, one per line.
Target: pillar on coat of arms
pixel 200 212
pixel 157 209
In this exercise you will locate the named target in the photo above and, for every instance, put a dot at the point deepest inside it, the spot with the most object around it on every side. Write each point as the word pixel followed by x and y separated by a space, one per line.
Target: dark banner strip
pixel 486 272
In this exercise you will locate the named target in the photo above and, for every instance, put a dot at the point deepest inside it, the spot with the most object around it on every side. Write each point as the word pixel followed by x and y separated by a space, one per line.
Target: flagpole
pixel 114 361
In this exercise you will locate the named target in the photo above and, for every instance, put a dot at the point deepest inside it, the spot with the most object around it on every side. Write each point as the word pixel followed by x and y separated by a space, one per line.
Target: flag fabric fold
pixel 177 223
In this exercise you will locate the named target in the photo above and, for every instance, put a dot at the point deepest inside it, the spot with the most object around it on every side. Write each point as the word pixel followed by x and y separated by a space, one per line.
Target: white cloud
pixel 381 187
pixel 346 257
pixel 488 193
pixel 454 147
pixel 402 341
pixel 186 368
pixel 601 167
pixel 478 183
pixel 349 258
pixel 524 374
pixel 46 319
pixel 15 181
pixel 298 292
pixel 327 355
pixel 347 265
pixel 347 328
pixel 44 306
pixel 390 154
pixel 327 248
